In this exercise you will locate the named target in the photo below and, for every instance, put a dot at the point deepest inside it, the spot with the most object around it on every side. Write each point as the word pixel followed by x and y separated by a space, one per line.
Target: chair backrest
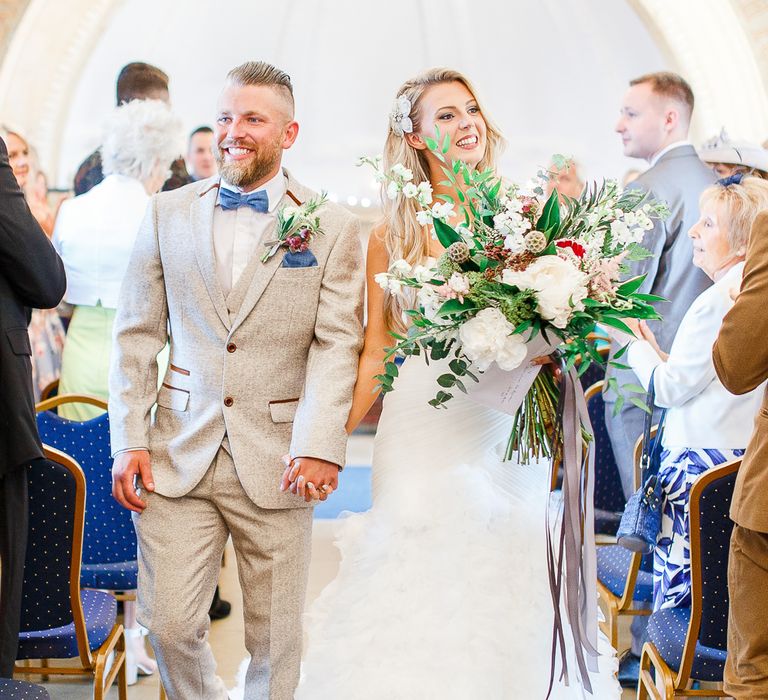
pixel 608 492
pixel 51 588
pixel 109 533
pixel 710 529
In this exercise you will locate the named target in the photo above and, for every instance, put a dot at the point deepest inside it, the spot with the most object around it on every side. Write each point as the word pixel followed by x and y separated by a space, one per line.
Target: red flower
pixel 577 248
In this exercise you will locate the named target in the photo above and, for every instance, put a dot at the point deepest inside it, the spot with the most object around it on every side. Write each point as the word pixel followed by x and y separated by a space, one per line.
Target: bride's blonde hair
pixel 403 236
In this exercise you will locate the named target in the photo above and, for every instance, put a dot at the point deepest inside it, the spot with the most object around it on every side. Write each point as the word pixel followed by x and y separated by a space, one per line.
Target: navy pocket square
pixel 303 259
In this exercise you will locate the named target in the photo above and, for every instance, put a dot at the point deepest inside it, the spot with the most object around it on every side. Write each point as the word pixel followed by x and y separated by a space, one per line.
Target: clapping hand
pixel 647 334
pixel 310 478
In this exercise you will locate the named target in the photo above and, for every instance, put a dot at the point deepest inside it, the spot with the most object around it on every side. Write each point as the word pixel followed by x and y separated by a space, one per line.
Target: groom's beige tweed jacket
pixel 272 366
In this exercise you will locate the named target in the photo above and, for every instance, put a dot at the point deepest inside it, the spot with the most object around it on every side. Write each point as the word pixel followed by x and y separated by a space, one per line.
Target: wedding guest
pixel 706 425
pixel 654 121
pixel 741 360
pixel 94 236
pixel 46 331
pixel 727 157
pixel 567 179
pixel 31 274
pixel 200 161
pixel 136 81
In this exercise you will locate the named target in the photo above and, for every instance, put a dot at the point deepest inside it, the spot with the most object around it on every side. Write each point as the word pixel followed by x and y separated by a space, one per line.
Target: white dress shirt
pixel 702 413
pixel 237 232
pixel 656 156
pixel 94 236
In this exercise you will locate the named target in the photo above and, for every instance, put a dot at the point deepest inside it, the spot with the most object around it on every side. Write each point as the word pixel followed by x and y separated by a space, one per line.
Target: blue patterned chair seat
pixel 99 610
pixel 21 690
pixel 612 567
pixel 667 629
pixel 119 576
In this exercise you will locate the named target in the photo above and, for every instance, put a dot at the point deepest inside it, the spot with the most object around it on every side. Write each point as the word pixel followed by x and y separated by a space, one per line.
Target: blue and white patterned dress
pixel 672 556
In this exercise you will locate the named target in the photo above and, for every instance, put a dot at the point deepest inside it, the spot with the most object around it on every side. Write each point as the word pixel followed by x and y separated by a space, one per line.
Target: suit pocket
pixel 173 398
pixel 283 411
pixel 19 340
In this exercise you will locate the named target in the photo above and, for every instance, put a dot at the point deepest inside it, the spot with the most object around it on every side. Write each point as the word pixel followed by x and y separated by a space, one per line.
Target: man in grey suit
pixel 655 117
pixel 654 121
pixel 263 363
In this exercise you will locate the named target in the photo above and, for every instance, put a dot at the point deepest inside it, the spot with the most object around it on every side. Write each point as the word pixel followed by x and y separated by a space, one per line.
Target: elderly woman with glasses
pixel 706 425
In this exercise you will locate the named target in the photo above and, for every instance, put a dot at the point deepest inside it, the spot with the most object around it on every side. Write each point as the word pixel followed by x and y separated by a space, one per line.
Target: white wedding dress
pixel 442 591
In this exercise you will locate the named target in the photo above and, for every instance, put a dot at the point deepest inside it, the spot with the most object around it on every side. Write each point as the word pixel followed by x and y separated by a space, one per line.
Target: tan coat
pixel 741 361
pixel 272 366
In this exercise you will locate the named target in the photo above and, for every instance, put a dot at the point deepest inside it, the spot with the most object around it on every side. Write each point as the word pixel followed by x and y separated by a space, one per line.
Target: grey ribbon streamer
pixel 573 568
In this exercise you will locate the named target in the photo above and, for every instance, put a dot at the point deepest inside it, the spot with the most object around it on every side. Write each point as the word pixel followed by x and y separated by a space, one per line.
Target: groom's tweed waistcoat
pixel 269 368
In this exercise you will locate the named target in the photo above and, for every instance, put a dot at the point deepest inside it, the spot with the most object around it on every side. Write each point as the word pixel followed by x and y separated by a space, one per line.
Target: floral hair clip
pixel 399 119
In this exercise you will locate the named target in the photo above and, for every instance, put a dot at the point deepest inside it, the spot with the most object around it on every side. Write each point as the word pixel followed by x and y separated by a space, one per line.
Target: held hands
pixel 309 478
pixel 125 469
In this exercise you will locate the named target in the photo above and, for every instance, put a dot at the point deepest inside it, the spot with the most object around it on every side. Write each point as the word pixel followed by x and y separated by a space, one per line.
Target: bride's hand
pixel 548 360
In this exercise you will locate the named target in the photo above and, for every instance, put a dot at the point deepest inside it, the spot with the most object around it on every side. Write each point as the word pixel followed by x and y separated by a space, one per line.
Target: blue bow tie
pixel 258 201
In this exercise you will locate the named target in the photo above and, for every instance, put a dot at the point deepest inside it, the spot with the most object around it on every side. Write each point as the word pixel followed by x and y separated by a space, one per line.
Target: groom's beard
pixel 265 158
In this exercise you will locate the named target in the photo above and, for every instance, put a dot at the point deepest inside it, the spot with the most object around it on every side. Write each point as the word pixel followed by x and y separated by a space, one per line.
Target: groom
pixel 263 363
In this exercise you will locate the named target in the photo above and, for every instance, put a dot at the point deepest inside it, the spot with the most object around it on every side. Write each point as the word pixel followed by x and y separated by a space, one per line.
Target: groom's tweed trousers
pixel 180 545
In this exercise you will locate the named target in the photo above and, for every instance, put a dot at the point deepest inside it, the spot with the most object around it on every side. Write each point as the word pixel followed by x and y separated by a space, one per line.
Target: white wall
pixel 551 72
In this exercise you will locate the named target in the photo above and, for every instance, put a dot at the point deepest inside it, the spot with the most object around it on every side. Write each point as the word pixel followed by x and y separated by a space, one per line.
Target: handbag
pixel 641 520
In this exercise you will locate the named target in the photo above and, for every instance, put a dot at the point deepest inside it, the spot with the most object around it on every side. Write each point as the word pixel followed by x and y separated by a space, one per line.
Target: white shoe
pixel 137 661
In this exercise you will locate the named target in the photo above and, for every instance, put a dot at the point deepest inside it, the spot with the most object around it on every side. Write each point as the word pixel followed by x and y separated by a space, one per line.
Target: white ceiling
pixel 551 72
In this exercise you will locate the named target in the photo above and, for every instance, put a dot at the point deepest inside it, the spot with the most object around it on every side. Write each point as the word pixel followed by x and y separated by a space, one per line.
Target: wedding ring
pixel 324 488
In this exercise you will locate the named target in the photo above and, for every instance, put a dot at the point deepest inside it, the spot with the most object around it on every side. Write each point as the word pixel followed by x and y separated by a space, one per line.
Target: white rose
pixel 488 338
pixel 410 190
pixel 402 172
pixel 557 284
pixel 392 190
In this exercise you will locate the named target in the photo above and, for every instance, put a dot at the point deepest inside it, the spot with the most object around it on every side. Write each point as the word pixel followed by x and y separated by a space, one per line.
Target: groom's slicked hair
pixel 262 73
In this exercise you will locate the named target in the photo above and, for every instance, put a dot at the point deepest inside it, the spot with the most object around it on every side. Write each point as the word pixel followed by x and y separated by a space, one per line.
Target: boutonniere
pixel 296 227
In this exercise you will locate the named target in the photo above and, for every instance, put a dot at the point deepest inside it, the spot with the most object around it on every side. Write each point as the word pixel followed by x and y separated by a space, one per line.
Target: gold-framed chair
pixel 49 390
pixel 47 404
pixel 59 619
pixel 618 573
pixel 689 644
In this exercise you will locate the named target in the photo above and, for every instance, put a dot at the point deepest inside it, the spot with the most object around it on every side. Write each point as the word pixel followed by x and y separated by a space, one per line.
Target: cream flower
pixel 488 338
pixel 558 285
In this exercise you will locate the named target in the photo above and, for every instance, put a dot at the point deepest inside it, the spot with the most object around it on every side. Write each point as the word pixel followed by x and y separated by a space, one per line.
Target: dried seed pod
pixel 458 252
pixel 535 242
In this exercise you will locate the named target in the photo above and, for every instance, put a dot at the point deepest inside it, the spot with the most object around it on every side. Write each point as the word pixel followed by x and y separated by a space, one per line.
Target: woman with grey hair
pixel 706 425
pixel 94 235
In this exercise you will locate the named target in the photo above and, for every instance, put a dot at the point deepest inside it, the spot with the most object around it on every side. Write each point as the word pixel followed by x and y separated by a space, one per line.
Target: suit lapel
pixel 257 275
pixel 201 218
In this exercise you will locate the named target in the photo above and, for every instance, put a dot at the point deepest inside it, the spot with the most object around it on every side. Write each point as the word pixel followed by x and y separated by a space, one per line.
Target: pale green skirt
pixel 86 357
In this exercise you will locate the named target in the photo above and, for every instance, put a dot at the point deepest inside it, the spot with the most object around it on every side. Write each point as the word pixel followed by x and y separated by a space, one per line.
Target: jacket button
pixel 231 347
pixel 228 401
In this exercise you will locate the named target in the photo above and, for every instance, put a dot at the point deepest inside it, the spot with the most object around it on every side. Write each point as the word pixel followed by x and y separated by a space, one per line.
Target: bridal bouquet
pixel 517 269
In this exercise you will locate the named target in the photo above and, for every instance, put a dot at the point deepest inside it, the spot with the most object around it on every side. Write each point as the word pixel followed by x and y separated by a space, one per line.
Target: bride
pixel 442 591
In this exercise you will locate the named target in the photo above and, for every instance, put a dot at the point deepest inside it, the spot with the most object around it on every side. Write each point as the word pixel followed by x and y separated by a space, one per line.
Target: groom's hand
pixel 126 467
pixel 310 478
